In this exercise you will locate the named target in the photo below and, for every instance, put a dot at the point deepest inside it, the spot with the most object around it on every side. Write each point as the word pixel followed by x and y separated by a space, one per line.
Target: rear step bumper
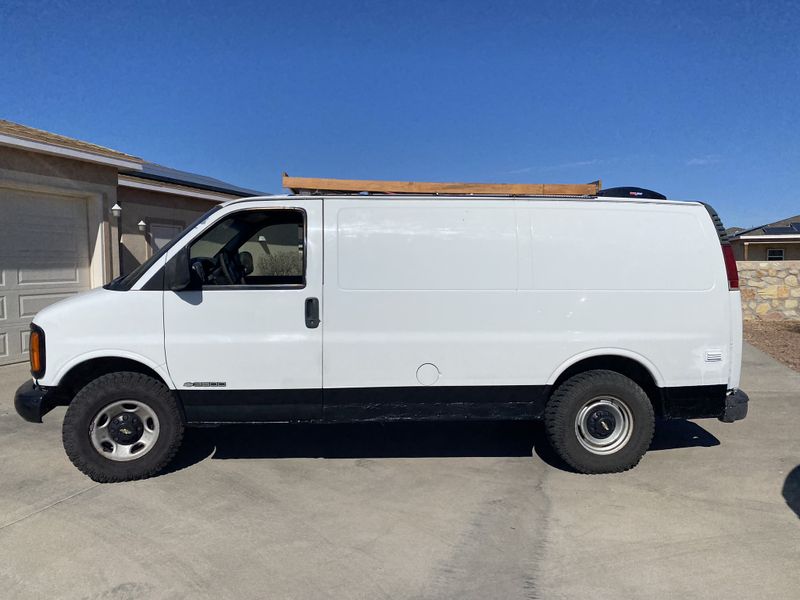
pixel 735 406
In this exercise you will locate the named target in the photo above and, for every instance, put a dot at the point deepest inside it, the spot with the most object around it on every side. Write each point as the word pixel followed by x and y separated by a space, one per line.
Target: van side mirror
pixel 178 272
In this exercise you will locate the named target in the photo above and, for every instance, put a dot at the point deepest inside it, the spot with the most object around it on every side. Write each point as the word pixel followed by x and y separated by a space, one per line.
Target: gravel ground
pixel 779 339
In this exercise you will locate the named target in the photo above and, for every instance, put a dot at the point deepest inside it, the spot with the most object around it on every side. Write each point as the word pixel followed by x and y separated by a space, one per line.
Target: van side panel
pixel 494 294
pixel 409 283
pixel 422 291
pixel 645 278
pixel 403 247
pixel 619 248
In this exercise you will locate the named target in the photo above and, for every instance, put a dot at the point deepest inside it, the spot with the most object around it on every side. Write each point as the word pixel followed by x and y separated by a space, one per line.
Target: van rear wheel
pixel 122 426
pixel 600 422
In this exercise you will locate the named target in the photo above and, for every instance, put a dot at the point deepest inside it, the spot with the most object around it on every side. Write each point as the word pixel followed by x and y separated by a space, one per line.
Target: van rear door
pixel 251 349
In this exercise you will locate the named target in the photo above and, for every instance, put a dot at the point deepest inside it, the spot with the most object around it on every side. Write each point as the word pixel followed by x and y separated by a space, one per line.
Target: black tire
pixel 107 390
pixel 565 436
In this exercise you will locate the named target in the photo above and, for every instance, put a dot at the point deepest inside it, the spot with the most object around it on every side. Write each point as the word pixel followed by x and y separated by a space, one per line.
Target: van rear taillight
pixel 727 250
pixel 730 267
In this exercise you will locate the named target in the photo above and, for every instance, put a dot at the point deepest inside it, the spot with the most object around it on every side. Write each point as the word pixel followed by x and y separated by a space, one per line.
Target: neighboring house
pixel 58 233
pixel 732 231
pixel 775 241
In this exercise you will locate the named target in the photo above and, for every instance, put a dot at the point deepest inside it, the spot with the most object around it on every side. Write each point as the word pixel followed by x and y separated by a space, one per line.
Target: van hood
pixel 73 306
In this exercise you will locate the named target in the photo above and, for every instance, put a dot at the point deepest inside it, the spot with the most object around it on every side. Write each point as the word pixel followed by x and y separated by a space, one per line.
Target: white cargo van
pixel 597 314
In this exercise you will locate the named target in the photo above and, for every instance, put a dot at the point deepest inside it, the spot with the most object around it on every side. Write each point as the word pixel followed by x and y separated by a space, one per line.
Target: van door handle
pixel 312 313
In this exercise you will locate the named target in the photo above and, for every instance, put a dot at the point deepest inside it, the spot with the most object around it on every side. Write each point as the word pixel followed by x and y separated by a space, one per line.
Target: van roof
pixel 378 198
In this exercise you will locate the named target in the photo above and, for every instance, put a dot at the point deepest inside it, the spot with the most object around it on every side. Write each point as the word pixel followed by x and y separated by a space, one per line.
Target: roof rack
pixel 314 185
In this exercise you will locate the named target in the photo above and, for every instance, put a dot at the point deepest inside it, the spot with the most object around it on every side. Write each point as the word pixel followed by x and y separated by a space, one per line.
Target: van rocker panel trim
pixel 220 405
pixel 364 404
pixel 435 403
pixel 414 403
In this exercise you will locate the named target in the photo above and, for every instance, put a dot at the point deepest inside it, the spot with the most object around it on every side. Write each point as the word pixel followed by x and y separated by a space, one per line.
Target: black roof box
pixel 631 192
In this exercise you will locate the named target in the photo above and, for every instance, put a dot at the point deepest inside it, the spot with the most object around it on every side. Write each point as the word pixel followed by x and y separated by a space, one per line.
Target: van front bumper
pixel 32 401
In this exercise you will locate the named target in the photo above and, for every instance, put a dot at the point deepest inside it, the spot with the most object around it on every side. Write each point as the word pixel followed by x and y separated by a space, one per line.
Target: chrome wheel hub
pixel 124 430
pixel 604 425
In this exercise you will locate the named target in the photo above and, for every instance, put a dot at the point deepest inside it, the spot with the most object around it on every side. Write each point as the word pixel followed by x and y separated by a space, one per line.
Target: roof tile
pixel 39 135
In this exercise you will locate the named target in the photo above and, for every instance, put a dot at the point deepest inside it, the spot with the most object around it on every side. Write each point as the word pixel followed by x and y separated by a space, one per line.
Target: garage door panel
pixel 30 304
pixel 44 258
pixel 54 274
pixel 14 342
pixel 57 247
pixel 46 243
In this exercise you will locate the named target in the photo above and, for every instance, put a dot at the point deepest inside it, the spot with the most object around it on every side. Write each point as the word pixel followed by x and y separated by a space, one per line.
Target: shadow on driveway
pixel 791 490
pixel 399 440
pixel 681 434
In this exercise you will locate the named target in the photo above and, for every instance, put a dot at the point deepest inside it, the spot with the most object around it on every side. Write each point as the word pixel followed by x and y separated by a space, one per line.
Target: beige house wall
pixel 97 186
pixel 94 184
pixel 770 290
pixel 152 208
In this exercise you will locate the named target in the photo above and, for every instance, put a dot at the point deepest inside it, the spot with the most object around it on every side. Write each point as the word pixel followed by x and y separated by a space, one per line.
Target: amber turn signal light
pixel 36 350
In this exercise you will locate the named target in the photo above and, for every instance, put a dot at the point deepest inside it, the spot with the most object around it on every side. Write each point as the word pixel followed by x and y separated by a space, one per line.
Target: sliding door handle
pixel 312 313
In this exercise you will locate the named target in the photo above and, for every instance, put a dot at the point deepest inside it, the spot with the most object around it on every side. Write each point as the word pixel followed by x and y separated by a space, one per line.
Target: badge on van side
pixel 205 384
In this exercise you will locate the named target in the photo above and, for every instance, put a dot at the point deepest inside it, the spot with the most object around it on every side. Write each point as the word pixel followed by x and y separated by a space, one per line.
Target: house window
pixel 774 253
pixel 162 234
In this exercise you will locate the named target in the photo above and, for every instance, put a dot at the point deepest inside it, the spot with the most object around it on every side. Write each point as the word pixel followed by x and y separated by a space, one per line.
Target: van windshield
pixel 125 282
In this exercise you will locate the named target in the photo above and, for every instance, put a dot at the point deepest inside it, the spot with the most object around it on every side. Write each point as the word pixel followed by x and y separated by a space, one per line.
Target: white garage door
pixel 44 257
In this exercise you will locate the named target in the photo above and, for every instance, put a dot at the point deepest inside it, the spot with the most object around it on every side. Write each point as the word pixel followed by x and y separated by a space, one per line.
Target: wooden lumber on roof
pixel 314 185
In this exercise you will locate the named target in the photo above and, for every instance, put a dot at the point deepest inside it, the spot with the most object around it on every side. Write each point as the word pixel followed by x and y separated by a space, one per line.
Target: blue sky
pixel 698 100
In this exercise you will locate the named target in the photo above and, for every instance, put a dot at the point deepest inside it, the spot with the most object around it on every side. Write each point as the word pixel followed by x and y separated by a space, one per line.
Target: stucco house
pixel 74 215
pixel 775 241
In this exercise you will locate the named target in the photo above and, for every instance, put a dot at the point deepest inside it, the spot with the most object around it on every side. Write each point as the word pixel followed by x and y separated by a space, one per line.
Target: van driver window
pixel 252 248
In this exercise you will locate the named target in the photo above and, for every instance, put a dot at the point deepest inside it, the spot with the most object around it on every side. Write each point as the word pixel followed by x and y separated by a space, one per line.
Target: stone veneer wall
pixel 770 290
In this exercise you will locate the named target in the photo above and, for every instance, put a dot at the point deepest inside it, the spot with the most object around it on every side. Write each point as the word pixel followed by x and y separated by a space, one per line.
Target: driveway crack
pixel 49 506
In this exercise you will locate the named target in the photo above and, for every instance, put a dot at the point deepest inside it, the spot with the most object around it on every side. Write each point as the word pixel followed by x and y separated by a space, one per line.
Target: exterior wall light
pixel 142 226
pixel 116 210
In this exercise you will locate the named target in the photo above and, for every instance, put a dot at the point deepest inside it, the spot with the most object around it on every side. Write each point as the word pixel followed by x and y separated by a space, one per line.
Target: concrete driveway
pixel 413 511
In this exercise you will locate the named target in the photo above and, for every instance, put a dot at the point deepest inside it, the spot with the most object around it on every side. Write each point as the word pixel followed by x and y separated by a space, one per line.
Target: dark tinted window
pixel 261 247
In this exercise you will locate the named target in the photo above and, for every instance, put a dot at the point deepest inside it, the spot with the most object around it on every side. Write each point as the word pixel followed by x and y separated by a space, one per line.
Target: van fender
pixel 594 352
pixel 160 369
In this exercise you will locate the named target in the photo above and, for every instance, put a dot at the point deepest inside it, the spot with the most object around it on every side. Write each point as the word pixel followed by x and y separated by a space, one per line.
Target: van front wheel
pixel 122 426
pixel 600 422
